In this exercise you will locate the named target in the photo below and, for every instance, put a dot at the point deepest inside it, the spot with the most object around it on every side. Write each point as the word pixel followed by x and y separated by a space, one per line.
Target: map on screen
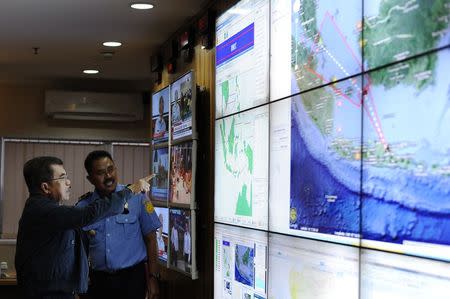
pixel 313 43
pixel 406 155
pixel 389 275
pixel 325 152
pixel 397 29
pixel 242 57
pixel 240 263
pixel 241 168
pixel 308 269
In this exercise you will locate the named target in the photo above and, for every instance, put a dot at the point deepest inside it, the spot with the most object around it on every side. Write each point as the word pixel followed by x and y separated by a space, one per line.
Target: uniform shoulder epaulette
pixel 84 197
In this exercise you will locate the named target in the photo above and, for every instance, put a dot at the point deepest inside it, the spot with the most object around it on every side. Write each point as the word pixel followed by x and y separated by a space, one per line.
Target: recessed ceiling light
pixel 141 5
pixel 112 44
pixel 90 72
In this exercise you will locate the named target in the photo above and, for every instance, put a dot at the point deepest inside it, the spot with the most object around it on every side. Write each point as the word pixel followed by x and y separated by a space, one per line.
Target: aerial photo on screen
pixel 405 152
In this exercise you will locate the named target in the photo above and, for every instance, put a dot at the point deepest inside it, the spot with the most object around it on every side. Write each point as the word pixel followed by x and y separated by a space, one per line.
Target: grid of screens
pixel 350 147
pixel 174 163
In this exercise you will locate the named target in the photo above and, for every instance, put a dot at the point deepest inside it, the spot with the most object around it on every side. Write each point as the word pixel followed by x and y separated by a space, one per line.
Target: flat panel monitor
pixel 287 150
pixel 240 263
pixel 182 252
pixel 313 43
pixel 302 268
pixel 241 168
pixel 160 115
pixel 242 57
pixel 162 234
pixel 395 30
pixel 182 105
pixel 406 164
pixel 390 275
pixel 160 167
pixel 316 163
pixel 182 173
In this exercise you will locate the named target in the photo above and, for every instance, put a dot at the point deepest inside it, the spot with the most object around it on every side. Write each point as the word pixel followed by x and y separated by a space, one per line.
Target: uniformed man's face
pixel 58 188
pixel 103 176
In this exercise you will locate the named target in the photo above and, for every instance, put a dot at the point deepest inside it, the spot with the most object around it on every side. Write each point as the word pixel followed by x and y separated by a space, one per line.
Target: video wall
pixel 174 160
pixel 332 145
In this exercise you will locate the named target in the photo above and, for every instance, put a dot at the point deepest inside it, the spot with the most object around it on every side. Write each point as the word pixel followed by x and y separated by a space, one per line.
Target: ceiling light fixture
pixel 112 44
pixel 141 5
pixel 90 72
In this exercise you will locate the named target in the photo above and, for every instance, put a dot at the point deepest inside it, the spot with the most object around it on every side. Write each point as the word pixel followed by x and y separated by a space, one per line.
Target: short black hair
pixel 94 156
pixel 38 170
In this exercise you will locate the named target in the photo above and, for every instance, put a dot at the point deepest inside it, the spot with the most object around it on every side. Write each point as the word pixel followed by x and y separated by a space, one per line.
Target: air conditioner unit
pixel 80 105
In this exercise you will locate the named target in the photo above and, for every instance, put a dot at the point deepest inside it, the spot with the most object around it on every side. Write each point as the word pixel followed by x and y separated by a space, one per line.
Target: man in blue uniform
pixel 50 258
pixel 120 245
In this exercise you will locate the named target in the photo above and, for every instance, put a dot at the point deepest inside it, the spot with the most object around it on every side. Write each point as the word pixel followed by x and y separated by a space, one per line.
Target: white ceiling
pixel 70 33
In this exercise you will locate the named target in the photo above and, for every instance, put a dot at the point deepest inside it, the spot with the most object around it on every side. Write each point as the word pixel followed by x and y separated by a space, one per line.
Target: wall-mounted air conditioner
pixel 79 105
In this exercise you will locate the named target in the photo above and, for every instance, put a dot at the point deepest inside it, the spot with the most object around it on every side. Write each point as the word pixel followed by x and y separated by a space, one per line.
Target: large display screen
pixel 160 167
pixel 356 139
pixel 305 198
pixel 395 30
pixel 326 160
pixel 160 115
pixel 162 234
pixel 181 173
pixel 406 160
pixel 182 104
pixel 240 263
pixel 242 57
pixel 302 268
pixel 241 168
pixel 389 275
pixel 313 43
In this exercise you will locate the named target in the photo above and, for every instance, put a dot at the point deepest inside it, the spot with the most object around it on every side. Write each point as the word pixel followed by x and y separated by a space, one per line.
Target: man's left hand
pixel 153 288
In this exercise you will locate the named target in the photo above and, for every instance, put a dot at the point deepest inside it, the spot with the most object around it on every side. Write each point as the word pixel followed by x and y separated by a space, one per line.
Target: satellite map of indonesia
pixel 405 153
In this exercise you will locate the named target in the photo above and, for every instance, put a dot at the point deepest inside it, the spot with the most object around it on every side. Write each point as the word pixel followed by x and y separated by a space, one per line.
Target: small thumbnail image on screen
pixel 181 105
pixel 180 240
pixel 181 173
pixel 160 116
pixel 162 234
pixel 160 167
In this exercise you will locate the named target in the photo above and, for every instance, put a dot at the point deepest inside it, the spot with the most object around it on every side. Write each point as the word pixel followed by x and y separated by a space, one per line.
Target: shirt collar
pixel 119 187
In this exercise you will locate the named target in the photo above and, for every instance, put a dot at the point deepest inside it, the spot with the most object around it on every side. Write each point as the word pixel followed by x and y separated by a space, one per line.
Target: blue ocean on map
pixel 393 204
pixel 244 265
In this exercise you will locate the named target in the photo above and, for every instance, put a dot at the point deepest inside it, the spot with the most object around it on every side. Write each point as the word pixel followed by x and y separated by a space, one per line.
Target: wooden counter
pixel 8 282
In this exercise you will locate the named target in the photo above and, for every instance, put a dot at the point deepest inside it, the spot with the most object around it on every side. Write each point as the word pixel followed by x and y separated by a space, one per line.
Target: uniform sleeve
pixel 66 217
pixel 148 219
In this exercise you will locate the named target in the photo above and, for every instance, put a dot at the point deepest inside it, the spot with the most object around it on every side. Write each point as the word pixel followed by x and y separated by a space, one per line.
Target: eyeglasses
pixel 64 177
pixel 109 170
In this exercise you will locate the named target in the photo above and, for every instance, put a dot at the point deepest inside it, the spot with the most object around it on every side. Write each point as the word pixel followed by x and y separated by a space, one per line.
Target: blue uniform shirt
pixel 117 242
